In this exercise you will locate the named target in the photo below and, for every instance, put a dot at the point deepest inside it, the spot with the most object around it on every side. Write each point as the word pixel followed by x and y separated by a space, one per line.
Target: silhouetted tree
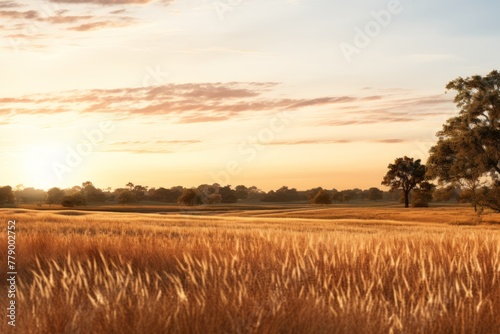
pixel 228 195
pixel 190 197
pixel 405 174
pixel 86 184
pixel 214 198
pixel 284 194
pixel 255 194
pixel 208 193
pixel 311 193
pixel 73 200
pixel 322 197
pixel 73 190
pixel 91 193
pixel 30 195
pixel 139 193
pixel 241 192
pixel 55 196
pixel 444 194
pixel 375 194
pixel 422 196
pixel 165 195
pixel 343 196
pixel 6 195
pixel 124 196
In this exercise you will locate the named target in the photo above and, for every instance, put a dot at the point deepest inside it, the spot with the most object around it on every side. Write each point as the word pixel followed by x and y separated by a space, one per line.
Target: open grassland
pixel 301 270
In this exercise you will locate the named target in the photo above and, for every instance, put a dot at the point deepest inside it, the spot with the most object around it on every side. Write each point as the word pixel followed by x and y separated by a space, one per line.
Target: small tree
pixel 228 195
pixel 125 196
pixel 375 194
pixel 241 192
pixel 423 195
pixel 405 174
pixel 91 193
pixel 444 194
pixel 322 197
pixel 73 200
pixel 189 197
pixel 55 196
pixel 6 195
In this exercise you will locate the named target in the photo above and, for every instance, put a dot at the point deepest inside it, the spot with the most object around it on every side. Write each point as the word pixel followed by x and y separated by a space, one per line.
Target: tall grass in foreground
pixel 171 275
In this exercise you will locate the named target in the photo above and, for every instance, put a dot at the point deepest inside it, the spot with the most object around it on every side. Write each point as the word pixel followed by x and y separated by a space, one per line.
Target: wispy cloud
pixel 28 19
pixel 390 141
pixel 102 24
pixel 148 147
pixel 187 103
pixel 389 106
pixel 218 102
pixel 17 15
pixel 118 11
pixel 104 2
pixel 322 141
pixel 60 19
pixel 9 4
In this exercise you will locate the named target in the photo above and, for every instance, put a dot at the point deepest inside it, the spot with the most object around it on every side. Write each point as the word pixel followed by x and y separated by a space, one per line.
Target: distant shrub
pixel 420 204
pixel 72 200
pixel 189 197
pixel 322 197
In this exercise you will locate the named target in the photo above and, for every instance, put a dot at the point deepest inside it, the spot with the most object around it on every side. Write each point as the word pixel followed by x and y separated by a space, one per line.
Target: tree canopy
pixel 405 174
pixel 6 195
pixel 322 197
pixel 468 149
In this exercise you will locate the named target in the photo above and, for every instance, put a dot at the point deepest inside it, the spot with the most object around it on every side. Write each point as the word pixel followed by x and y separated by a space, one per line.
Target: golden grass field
pixel 300 270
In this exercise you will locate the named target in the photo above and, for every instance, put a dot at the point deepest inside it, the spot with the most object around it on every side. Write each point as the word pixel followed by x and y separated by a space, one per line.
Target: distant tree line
pixel 206 194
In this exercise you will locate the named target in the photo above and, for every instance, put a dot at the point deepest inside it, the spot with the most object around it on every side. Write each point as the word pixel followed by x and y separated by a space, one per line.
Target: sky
pixel 302 93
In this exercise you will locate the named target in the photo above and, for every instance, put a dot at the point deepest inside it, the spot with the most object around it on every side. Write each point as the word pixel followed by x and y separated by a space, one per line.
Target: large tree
pixel 468 149
pixel 405 174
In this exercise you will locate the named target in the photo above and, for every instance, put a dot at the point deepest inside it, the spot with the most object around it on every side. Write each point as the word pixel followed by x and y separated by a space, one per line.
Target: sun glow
pixel 38 164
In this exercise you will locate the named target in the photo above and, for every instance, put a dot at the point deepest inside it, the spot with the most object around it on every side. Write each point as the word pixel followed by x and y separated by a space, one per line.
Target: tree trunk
pixel 407 199
pixel 474 199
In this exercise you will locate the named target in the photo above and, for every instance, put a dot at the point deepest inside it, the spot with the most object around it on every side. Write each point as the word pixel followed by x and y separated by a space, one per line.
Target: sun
pixel 38 164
